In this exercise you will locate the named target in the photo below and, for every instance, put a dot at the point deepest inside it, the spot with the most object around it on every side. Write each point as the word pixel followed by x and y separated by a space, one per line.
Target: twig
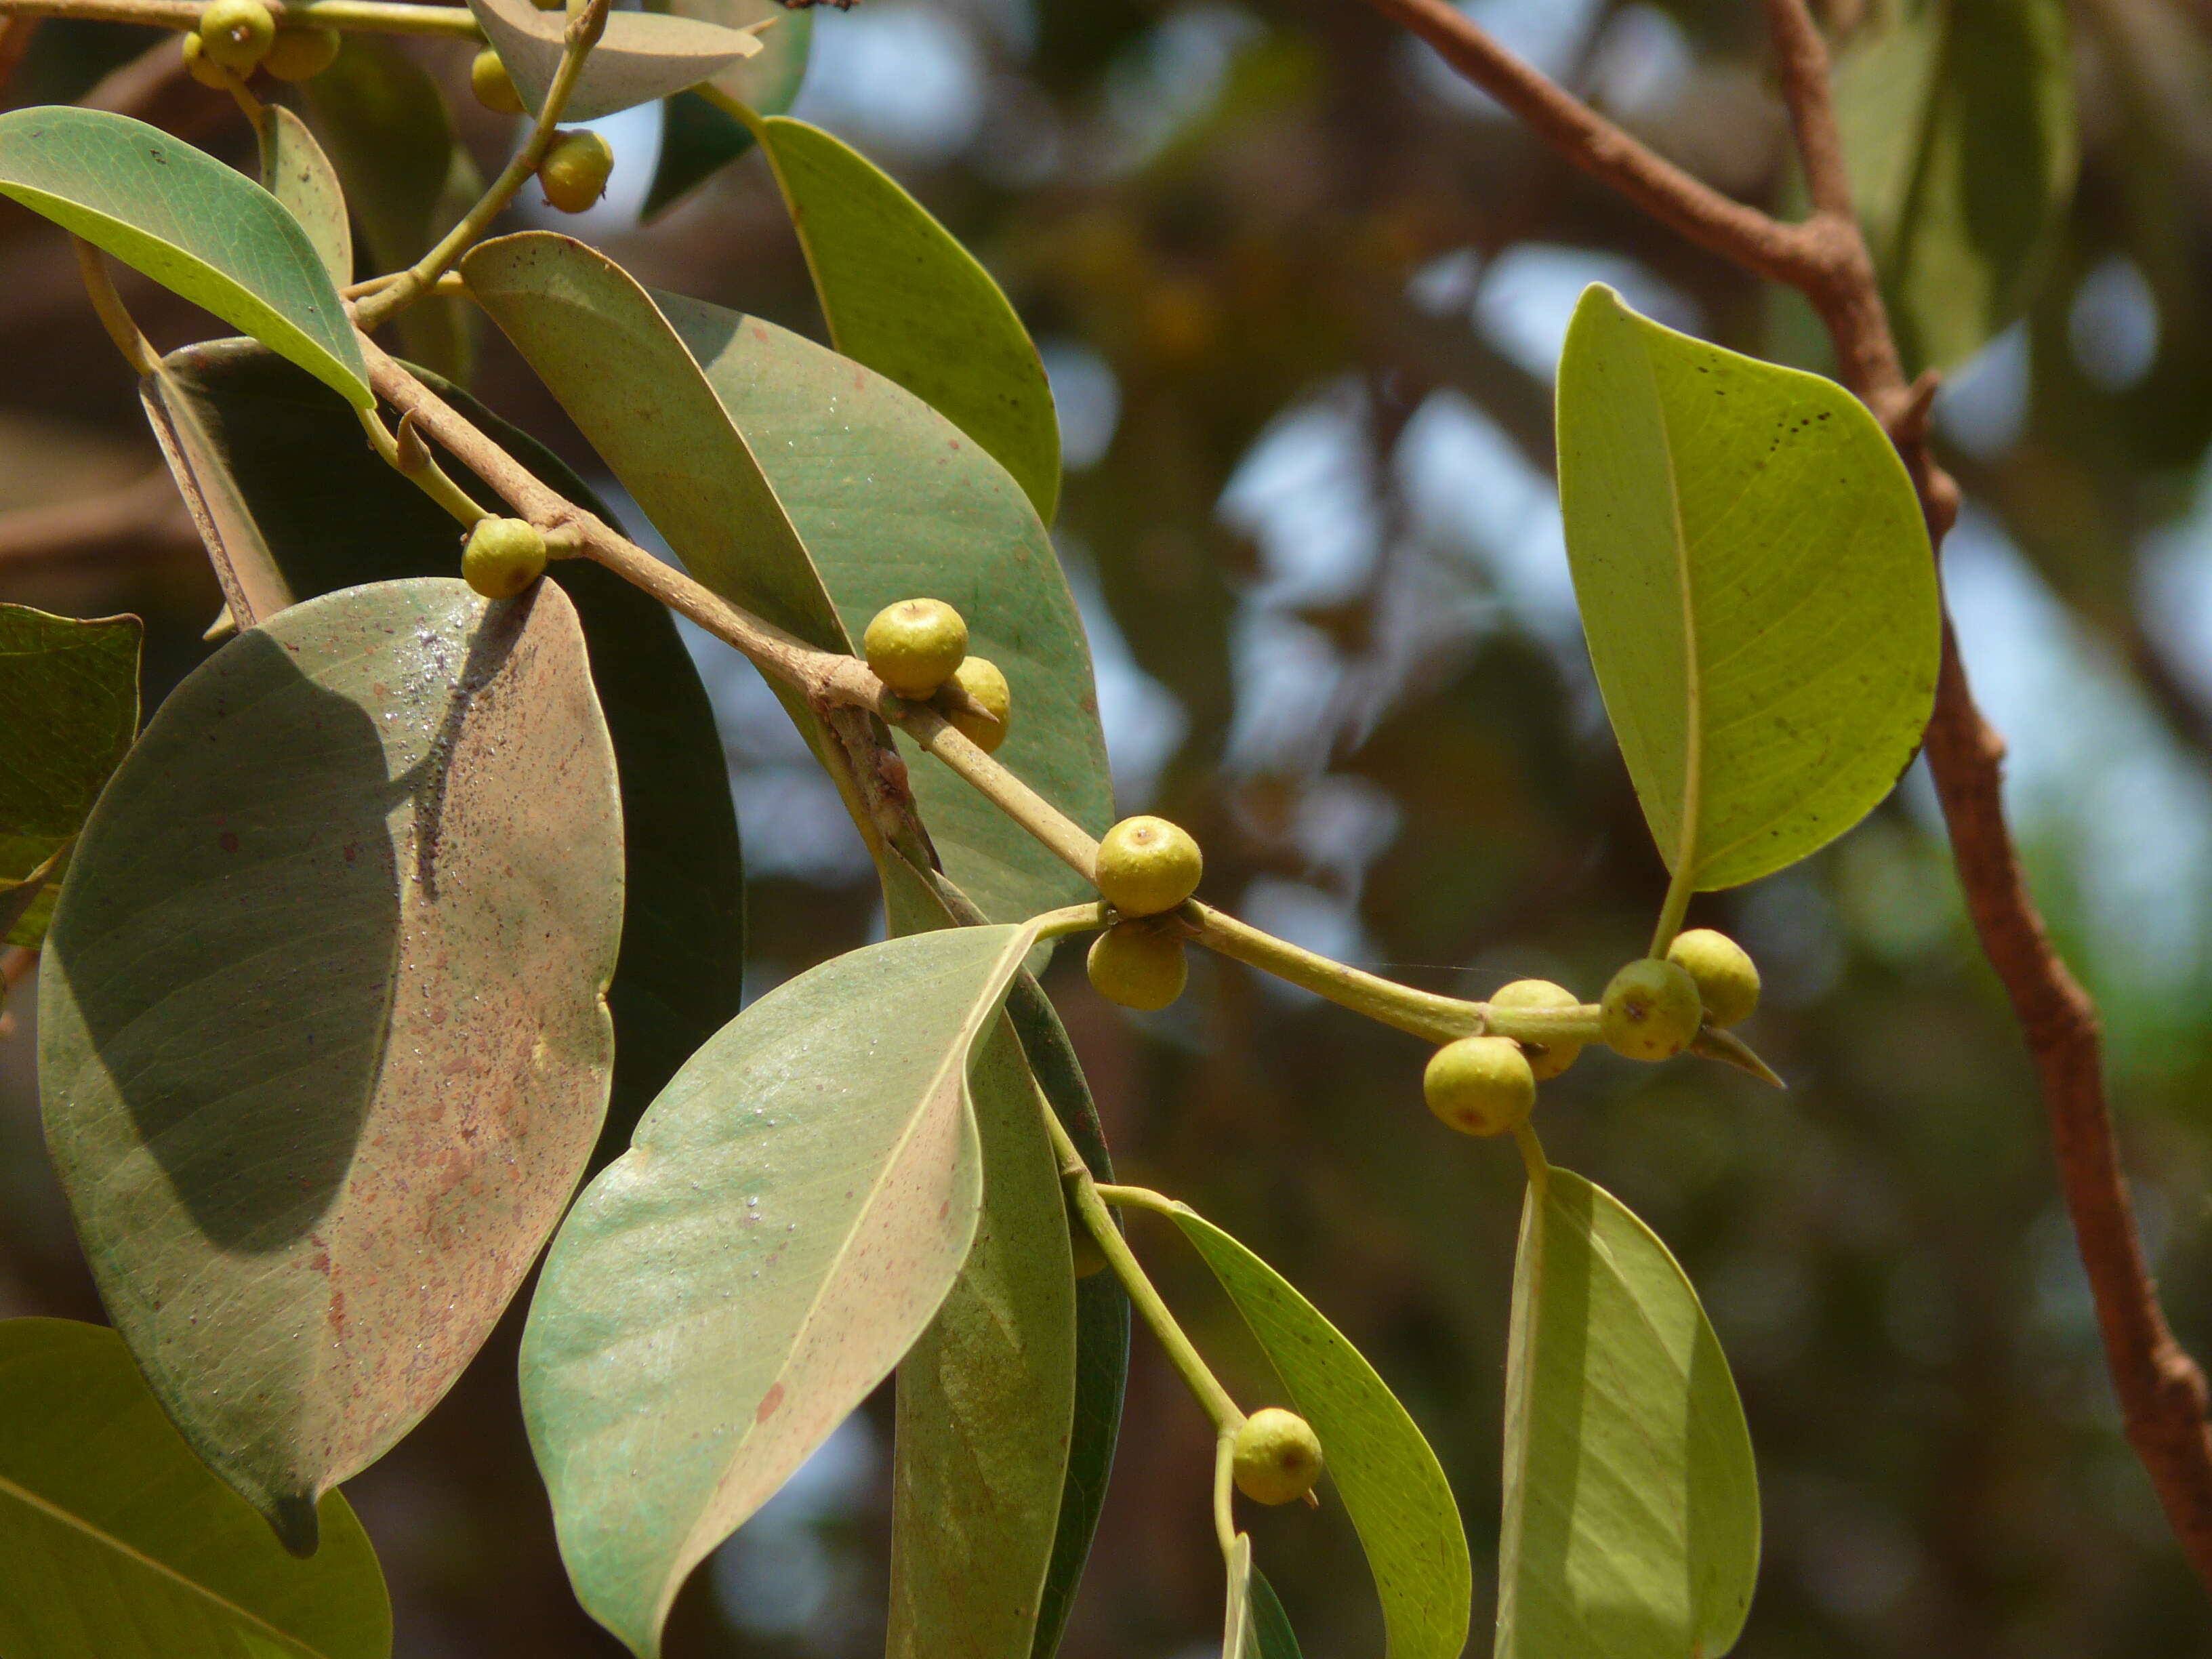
pixel 380 16
pixel 15 40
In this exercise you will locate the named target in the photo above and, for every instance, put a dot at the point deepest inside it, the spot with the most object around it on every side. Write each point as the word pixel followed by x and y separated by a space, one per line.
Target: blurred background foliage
pixel 1299 292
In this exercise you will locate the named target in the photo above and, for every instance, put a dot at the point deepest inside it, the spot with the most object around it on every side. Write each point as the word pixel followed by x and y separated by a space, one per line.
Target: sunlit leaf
pixel 1631 1502
pixel 117 1543
pixel 191 223
pixel 322 1039
pixel 332 514
pixel 294 170
pixel 697 138
pixel 794 1210
pixel 1958 122
pixel 942 329
pixel 642 55
pixel 1393 1487
pixel 1756 586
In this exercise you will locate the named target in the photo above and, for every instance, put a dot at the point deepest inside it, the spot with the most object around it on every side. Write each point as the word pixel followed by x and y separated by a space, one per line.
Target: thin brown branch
pixel 15 40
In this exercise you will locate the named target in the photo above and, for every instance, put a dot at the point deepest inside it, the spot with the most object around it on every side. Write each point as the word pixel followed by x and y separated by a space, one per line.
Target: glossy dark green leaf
pixel 698 139
pixel 1958 122
pixel 408 178
pixel 1756 586
pixel 1393 1487
pixel 323 1044
pixel 1632 1501
pixel 1270 1623
pixel 69 704
pixel 796 1207
pixel 191 223
pixel 294 170
pixel 941 327
pixel 331 515
pixel 117 1543
pixel 641 57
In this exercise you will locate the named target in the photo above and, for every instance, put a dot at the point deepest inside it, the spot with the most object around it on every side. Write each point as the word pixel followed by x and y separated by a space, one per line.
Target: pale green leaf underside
pixel 117 1543
pixel 1630 1526
pixel 294 170
pixel 1756 586
pixel 322 1039
pixel 792 1213
pixel 193 225
pixel 641 56
pixel 902 296
pixel 1393 1487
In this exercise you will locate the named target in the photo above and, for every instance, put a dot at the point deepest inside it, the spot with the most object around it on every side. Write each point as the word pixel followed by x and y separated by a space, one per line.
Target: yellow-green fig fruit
pixel 1726 978
pixel 1277 1456
pixel 573 174
pixel 204 68
pixel 1480 1085
pixel 503 556
pixel 979 677
pixel 236 34
pixel 1651 1011
pixel 915 646
pixel 493 86
pixel 1147 865
pixel 1546 1060
pixel 1138 964
pixel 302 53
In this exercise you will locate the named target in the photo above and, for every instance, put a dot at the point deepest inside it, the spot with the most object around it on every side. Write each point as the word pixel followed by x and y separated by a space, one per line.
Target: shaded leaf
pixel 1631 1502
pixel 697 138
pixel 253 588
pixel 941 327
pixel 116 1542
pixel 1256 1627
pixel 69 705
pixel 1270 1623
pixel 332 514
pixel 642 55
pixel 408 177
pixel 20 898
pixel 191 223
pixel 1392 1485
pixel 795 1208
pixel 1755 584
pixel 1957 125
pixel 322 1041
pixel 294 170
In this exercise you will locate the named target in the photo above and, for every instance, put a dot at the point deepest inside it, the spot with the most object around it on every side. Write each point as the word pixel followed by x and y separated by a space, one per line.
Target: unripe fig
pixel 1480 1085
pixel 302 53
pixel 574 173
pixel 236 34
pixel 1276 1458
pixel 979 677
pixel 503 556
pixel 1546 1060
pixel 1726 978
pixel 1650 1011
pixel 914 646
pixel 204 68
pixel 1138 964
pixel 493 86
pixel 1147 865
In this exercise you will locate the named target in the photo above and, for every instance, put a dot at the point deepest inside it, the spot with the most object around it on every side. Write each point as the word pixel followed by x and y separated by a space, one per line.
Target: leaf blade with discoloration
pixel 641 57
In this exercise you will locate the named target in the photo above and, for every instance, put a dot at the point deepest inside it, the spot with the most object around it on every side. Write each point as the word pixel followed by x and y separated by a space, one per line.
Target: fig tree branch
pixel 381 16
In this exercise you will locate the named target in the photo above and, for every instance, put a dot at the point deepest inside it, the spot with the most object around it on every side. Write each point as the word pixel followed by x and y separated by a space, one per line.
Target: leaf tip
pixel 292 1517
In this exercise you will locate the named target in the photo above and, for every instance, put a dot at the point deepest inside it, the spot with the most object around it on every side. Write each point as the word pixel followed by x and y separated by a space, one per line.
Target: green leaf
pixel 191 224
pixel 322 1042
pixel 331 515
pixel 1756 586
pixel 116 1543
pixel 941 328
pixel 796 1205
pixel 22 918
pixel 1631 1502
pixel 642 55
pixel 69 703
pixel 253 588
pixel 408 177
pixel 891 501
pixel 1393 1487
pixel 698 139
pixel 1256 1627
pixel 1270 1623
pixel 294 170
pixel 1957 126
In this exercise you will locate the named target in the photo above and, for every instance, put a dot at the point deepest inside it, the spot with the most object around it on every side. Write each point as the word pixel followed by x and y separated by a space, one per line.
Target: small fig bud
pixel 979 677
pixel 1650 1011
pixel 1480 1085
pixel 493 86
pixel 1138 964
pixel 1087 1258
pixel 914 646
pixel 236 34
pixel 204 68
pixel 573 174
pixel 1147 865
pixel 503 556
pixel 1726 978
pixel 1546 1060
pixel 302 53
pixel 1276 1458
